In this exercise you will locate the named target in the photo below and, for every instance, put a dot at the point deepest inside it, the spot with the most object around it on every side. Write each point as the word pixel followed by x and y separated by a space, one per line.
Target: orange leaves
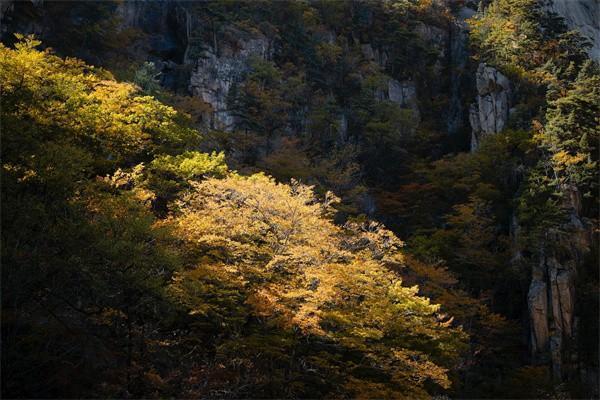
pixel 297 271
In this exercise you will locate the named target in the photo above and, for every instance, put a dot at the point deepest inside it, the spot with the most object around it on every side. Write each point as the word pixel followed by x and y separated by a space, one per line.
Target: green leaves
pixel 85 264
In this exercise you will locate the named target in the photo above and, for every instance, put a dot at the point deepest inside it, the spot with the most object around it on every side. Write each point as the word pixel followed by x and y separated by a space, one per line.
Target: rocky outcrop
pixel 375 55
pixel 162 23
pixel 434 35
pixel 551 295
pixel 438 38
pixel 489 114
pixel 405 95
pixel 537 302
pixel 551 300
pixel 583 16
pixel 216 72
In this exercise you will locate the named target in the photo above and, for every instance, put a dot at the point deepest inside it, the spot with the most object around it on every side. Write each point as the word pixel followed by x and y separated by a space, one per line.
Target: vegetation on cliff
pixel 147 268
pixel 150 252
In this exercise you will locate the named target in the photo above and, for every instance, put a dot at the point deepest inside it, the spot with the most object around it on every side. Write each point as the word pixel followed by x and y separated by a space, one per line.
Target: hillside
pixel 320 199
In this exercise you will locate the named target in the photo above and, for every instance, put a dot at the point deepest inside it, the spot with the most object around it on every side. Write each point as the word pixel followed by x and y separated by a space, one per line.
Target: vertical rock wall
pixel 459 59
pixel 216 72
pixel 551 295
pixel 405 95
pixel 489 113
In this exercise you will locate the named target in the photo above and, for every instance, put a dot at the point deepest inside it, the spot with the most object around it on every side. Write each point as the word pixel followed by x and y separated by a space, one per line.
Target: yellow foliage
pixel 74 102
pixel 302 272
pixel 564 159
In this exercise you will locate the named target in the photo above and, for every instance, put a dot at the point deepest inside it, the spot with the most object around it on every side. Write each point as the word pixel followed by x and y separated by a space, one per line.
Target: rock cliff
pixel 583 16
pixel 551 295
pixel 217 71
pixel 459 70
pixel 489 113
pixel 404 94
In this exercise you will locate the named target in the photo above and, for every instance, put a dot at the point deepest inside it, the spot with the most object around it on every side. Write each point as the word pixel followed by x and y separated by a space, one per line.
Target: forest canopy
pixel 143 266
pixel 299 199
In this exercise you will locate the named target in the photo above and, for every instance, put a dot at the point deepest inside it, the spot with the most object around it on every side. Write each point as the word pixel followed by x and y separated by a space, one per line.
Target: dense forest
pixel 386 199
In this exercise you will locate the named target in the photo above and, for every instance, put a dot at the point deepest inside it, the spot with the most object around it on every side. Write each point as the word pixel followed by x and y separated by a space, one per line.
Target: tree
pixel 522 37
pixel 146 77
pixel 84 267
pixel 260 104
pixel 300 275
pixel 572 131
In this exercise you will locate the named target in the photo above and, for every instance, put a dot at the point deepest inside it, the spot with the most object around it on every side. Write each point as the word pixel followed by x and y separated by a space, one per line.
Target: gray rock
pixel 583 16
pixel 29 26
pixel 367 52
pixel 562 296
pixel 489 114
pixel 343 128
pixel 5 6
pixel 537 303
pixel 404 94
pixel 438 38
pixel 214 75
pixel 458 57
pixel 374 55
pixel 434 35
pixel 551 296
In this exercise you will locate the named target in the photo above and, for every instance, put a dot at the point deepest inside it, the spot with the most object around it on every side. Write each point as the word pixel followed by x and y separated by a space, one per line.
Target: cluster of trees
pixel 470 212
pixel 134 265
pixel 326 83
pixel 138 260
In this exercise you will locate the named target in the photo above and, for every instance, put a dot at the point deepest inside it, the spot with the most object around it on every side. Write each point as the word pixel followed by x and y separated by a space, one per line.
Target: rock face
pixel 583 16
pixel 551 308
pixel 404 94
pixel 161 21
pixel 379 57
pixel 343 128
pixel 432 34
pixel 7 14
pixel 439 39
pixel 551 295
pixel 537 301
pixel 216 72
pixel 5 6
pixel 489 114
pixel 459 58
